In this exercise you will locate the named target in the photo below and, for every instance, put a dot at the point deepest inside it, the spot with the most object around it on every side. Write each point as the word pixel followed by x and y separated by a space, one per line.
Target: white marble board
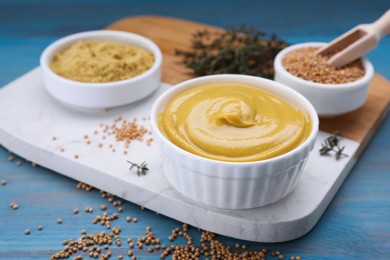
pixel 29 118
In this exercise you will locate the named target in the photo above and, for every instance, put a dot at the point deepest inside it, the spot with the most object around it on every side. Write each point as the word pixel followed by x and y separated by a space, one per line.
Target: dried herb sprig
pixel 240 50
pixel 331 144
pixel 142 168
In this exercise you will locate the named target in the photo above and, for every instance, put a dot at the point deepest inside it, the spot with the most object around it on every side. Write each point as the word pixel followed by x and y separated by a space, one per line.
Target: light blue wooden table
pixel 355 226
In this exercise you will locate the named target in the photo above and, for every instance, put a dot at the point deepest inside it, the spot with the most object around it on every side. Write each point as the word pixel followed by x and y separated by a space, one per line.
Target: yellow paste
pixel 90 61
pixel 233 122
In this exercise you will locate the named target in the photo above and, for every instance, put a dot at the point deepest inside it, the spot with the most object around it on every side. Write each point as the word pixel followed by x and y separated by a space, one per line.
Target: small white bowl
pixel 83 95
pixel 233 185
pixel 328 99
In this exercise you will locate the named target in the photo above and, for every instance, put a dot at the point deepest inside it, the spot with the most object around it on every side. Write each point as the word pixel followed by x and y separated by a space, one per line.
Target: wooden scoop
pixel 357 41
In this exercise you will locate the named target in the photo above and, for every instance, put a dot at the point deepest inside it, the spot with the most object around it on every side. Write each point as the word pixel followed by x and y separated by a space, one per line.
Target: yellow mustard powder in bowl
pixel 233 122
pixel 101 61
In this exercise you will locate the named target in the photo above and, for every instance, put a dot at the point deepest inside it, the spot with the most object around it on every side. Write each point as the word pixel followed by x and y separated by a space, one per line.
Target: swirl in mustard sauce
pixel 233 122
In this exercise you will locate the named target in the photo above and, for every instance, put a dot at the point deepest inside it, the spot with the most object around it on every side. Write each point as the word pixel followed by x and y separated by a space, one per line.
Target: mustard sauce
pixel 233 122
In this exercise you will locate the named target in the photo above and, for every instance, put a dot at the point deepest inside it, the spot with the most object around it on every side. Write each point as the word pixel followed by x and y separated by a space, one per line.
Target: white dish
pixel 90 96
pixel 234 185
pixel 27 111
pixel 328 99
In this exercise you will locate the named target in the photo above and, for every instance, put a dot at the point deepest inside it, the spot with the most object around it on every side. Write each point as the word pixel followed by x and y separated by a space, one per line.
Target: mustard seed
pixel 54 138
pixel 59 221
pixel 62 150
pixel 27 232
pixel 76 156
pixel 306 64
pixel 40 228
pixel 11 158
pixel 128 219
pixel 135 220
pixel 3 182
pixel 120 256
pixel 19 163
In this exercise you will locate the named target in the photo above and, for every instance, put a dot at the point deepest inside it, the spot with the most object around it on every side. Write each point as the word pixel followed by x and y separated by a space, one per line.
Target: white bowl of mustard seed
pixel 233 141
pixel 101 69
pixel 332 91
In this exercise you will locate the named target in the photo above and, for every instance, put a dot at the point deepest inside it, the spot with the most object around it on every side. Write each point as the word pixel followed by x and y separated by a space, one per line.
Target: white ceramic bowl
pixel 328 99
pixel 101 95
pixel 233 185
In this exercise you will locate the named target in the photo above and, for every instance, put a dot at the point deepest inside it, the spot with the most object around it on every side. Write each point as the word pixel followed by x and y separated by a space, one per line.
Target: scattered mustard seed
pixel 3 182
pixel 27 232
pixel 40 228
pixel 14 206
pixel 76 211
pixel 59 221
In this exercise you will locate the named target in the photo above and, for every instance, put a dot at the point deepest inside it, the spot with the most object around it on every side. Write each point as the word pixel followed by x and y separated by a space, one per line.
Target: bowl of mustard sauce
pixel 233 141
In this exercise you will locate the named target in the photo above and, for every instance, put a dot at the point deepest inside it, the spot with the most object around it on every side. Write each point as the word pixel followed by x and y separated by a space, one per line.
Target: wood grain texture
pixel 171 33
pixel 356 224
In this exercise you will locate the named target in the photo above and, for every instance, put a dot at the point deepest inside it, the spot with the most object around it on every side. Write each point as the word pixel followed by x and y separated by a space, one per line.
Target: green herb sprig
pixel 240 50
pixel 331 144
pixel 142 168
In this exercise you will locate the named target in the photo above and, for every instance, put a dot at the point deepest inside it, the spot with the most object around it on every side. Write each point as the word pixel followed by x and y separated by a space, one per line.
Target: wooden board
pixel 171 33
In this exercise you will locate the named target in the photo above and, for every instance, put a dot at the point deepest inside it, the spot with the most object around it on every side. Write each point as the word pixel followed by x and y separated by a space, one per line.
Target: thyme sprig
pixel 331 144
pixel 240 50
pixel 142 168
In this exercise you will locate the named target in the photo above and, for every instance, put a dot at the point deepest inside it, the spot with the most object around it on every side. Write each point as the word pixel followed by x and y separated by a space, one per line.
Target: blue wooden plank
pixel 356 224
